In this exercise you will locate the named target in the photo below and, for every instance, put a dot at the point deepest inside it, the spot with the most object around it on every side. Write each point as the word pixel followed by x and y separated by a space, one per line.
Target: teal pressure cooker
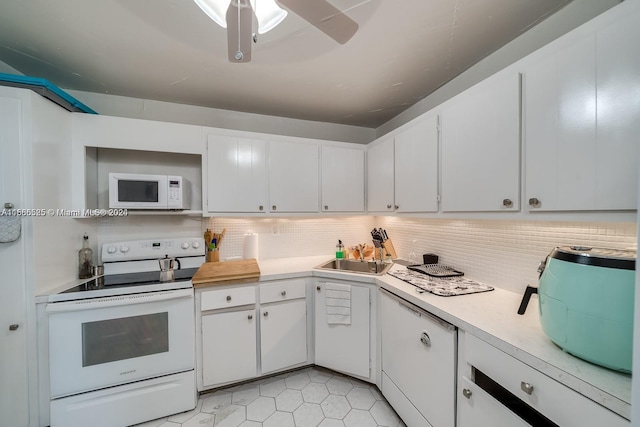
pixel 586 301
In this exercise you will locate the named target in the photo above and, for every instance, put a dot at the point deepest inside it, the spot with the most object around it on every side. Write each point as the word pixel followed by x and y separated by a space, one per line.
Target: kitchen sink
pixel 355 266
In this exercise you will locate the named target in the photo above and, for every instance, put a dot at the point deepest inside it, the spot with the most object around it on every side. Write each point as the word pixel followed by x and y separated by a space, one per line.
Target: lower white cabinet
pixel 343 344
pixel 244 331
pixel 494 388
pixel 283 335
pixel 418 363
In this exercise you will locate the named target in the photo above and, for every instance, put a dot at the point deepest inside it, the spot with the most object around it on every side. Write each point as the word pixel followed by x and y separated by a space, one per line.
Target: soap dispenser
pixel 85 259
pixel 339 250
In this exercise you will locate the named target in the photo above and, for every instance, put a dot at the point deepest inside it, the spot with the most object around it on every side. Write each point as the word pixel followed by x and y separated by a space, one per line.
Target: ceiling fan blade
pixel 324 16
pixel 239 33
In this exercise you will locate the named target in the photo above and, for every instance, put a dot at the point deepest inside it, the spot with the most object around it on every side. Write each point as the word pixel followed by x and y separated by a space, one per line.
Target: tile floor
pixel 311 397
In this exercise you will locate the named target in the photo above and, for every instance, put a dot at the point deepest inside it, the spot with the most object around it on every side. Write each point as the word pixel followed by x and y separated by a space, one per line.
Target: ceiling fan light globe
pixel 215 9
pixel 268 13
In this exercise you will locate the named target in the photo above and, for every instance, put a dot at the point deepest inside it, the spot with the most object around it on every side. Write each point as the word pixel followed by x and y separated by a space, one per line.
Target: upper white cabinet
pixel 342 179
pixel 237 169
pixel 380 176
pixel 582 121
pixel 293 177
pixel 481 147
pixel 416 167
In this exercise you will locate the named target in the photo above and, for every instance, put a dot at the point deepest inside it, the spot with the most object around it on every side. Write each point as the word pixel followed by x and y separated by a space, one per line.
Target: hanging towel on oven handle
pixel 338 303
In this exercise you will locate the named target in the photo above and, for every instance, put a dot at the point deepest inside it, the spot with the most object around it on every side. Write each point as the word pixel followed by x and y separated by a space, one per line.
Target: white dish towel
pixel 338 302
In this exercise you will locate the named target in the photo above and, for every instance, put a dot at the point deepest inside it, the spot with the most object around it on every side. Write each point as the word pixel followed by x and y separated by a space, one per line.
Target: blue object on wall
pixel 46 89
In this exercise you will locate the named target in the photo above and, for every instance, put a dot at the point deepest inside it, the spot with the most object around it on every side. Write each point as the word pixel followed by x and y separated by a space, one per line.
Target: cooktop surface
pixel 112 281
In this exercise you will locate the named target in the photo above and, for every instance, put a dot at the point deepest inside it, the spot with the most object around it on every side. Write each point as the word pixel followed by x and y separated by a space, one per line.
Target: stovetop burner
pixel 130 279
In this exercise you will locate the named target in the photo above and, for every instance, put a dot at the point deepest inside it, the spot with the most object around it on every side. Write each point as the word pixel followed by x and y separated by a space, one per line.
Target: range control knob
pixel 124 249
pixel 111 250
pixel 195 244
pixel 185 245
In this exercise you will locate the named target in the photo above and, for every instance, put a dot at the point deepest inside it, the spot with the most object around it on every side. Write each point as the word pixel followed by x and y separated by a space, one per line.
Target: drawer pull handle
pixel 14 327
pixel 526 387
pixel 228 297
pixel 283 293
pixel 250 316
pixel 424 338
pixel 466 393
pixel 318 288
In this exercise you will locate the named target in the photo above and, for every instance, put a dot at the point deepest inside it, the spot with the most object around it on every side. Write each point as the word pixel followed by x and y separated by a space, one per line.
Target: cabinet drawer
pixel 555 401
pixel 283 291
pixel 230 297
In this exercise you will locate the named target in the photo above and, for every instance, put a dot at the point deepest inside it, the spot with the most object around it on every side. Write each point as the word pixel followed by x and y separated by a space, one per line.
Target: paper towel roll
pixel 250 247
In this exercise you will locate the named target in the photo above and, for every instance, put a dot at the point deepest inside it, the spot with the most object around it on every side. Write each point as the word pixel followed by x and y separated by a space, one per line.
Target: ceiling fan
pixel 237 16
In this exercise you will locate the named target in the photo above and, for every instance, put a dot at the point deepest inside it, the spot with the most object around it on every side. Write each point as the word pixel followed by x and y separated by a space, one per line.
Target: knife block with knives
pixel 381 239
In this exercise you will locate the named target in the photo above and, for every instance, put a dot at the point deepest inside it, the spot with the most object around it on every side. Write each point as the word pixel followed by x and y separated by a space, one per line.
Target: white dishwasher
pixel 418 363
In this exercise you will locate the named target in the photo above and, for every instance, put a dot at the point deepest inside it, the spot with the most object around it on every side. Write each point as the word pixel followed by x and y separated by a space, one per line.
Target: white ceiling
pixel 169 50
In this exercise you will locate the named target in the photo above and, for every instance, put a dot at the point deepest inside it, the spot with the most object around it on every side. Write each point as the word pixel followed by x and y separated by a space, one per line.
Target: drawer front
pixel 230 297
pixel 283 291
pixel 557 402
pixel 476 408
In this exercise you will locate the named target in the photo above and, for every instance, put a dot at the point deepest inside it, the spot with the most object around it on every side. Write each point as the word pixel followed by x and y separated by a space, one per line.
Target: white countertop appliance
pixel 143 191
pixel 121 346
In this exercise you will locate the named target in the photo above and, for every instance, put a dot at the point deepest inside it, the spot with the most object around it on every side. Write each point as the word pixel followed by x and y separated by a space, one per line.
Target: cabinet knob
pixel 228 297
pixel 534 202
pixel 466 393
pixel 250 316
pixel 261 207
pixel 424 338
pixel 388 206
pixel 8 205
pixel 526 387
pixel 318 288
pixel 507 203
pixel 395 206
pixel 265 314
pixel 283 293
pixel 326 207
pixel 14 327
pixel 274 207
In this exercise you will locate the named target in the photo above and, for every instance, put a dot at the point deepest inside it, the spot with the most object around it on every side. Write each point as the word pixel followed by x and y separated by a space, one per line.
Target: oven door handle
pixel 90 304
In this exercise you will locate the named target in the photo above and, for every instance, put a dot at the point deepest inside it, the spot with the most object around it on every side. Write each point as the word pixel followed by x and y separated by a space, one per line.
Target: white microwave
pixel 141 191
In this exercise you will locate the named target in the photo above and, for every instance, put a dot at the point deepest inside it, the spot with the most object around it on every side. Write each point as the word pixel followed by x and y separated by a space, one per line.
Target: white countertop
pixel 491 316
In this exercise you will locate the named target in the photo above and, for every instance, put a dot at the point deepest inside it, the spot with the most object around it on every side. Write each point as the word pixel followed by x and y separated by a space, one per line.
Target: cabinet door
pixel 380 197
pixel 342 179
pixel 343 347
pixel 416 167
pixel 581 124
pixel 228 347
pixel 283 335
pixel 481 148
pixel 237 174
pixel 560 129
pixel 293 177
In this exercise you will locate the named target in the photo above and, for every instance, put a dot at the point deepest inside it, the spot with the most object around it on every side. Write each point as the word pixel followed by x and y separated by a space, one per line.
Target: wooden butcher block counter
pixel 226 273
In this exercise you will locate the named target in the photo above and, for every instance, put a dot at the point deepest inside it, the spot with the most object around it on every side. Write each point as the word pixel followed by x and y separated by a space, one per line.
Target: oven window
pixel 137 191
pixel 124 338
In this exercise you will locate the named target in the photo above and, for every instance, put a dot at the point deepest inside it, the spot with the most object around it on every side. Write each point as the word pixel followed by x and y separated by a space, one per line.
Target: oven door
pixel 137 191
pixel 104 342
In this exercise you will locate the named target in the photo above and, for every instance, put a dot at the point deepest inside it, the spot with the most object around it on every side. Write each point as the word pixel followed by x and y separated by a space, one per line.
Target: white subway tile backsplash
pixel 502 253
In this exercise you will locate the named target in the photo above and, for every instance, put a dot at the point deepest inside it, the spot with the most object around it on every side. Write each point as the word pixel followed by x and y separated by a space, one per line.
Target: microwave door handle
pixel 62 307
